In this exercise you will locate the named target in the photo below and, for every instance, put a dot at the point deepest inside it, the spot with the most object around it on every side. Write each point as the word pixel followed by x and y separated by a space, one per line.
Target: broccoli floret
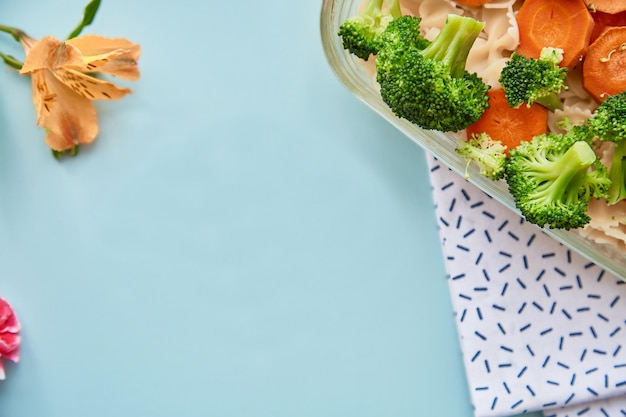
pixel 489 154
pixel 530 80
pixel 577 132
pixel 426 82
pixel 360 33
pixel 582 133
pixel 608 123
pixel 401 34
pixel 552 179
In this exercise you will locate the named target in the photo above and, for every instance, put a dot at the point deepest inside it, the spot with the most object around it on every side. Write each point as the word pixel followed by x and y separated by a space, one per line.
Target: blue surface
pixel 245 238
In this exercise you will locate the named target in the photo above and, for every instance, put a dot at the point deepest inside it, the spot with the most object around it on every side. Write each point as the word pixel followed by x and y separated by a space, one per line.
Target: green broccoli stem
pixel 453 44
pixel 551 102
pixel 617 174
pixel 571 170
pixel 373 7
pixel 394 9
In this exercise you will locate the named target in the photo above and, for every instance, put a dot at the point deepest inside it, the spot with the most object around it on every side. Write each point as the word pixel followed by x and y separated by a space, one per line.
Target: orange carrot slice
pixel 565 24
pixel 604 20
pixel 607 6
pixel 473 3
pixel 603 67
pixel 510 125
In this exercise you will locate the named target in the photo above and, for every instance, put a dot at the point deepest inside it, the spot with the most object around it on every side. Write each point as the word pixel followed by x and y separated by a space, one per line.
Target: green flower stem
pixel 88 16
pixel 15 32
pixel 11 61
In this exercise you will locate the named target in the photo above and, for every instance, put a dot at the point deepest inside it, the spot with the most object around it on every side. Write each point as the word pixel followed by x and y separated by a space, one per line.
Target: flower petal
pixel 9 335
pixel 8 319
pixel 51 53
pixel 114 56
pixel 43 97
pixel 9 344
pixel 70 118
pixel 88 86
pixel 14 355
pixel 10 325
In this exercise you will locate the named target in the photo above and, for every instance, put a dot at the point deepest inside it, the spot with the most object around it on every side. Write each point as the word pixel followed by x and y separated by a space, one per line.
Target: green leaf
pixel 90 13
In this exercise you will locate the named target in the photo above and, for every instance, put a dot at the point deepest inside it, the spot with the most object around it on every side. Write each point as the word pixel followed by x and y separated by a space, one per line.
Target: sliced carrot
pixel 473 3
pixel 607 6
pixel 565 24
pixel 510 125
pixel 604 20
pixel 603 67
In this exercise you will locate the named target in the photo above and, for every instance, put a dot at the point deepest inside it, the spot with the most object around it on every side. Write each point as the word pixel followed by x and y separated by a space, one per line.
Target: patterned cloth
pixel 540 327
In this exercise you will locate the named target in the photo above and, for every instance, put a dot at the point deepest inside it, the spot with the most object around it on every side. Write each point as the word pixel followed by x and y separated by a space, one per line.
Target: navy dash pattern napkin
pixel 540 327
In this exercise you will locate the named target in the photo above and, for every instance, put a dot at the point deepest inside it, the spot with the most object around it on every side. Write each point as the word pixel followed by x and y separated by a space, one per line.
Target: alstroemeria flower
pixel 9 335
pixel 63 87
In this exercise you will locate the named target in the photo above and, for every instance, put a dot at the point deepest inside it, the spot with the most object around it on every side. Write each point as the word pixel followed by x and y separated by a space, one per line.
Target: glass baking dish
pixel 359 81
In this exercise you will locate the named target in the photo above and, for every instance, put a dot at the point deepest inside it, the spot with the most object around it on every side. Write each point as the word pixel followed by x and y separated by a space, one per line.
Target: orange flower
pixel 63 87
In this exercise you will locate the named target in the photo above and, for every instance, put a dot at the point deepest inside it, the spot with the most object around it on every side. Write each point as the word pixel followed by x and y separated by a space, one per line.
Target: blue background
pixel 245 238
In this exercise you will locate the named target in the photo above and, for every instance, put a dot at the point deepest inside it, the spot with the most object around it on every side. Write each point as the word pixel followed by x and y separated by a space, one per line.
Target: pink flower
pixel 9 335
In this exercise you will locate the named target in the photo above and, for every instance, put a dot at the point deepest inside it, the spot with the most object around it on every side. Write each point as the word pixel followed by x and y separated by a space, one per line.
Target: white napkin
pixel 540 327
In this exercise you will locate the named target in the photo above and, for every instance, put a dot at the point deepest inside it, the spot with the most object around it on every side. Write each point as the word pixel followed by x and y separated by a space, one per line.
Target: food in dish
pixel 503 35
